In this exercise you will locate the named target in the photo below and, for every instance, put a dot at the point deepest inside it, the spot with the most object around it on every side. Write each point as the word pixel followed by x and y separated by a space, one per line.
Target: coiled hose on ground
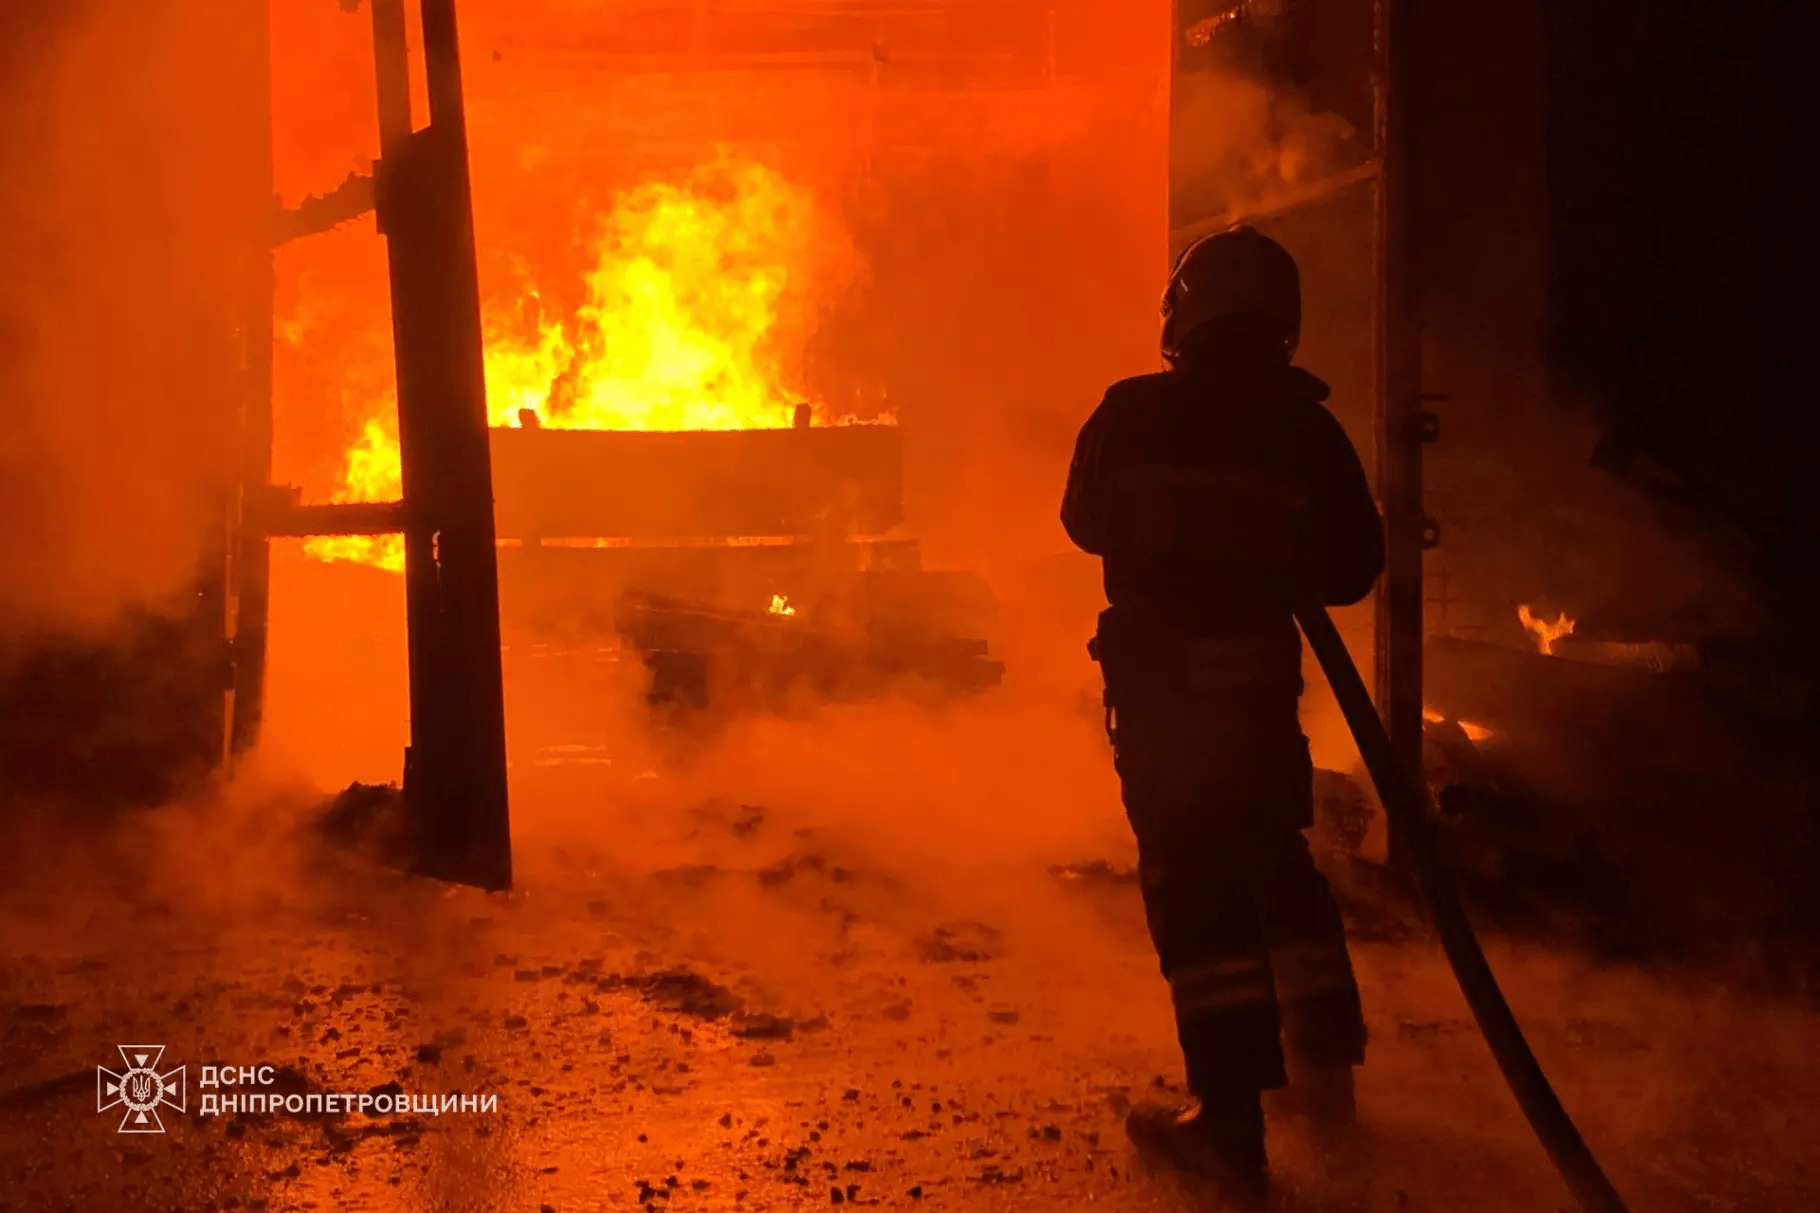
pixel 1405 800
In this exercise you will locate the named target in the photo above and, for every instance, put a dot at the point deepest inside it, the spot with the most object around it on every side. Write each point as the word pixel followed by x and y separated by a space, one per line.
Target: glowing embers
pixel 780 605
pixel 1203 32
pixel 1545 633
pixel 1474 732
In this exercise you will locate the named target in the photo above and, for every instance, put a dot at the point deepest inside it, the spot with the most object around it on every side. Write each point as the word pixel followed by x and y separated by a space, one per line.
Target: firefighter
pixel 1219 494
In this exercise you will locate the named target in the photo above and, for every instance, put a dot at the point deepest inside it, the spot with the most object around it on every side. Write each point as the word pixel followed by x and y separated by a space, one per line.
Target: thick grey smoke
pixel 117 309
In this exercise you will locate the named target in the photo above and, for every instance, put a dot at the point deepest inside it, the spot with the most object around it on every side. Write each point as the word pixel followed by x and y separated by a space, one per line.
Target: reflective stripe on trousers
pixel 1218 789
pixel 1211 986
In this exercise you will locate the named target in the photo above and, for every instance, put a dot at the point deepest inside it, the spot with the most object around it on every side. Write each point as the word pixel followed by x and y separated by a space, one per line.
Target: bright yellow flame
pixel 1545 633
pixel 680 310
pixel 681 328
pixel 371 473
pixel 520 371
pixel 780 605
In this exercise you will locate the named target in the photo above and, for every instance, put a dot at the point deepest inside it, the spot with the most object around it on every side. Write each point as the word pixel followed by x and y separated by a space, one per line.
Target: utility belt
pixel 1139 654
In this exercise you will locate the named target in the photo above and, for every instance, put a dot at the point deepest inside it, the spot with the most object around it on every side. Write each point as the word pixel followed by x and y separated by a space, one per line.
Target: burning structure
pixel 653 476
pixel 764 570
pixel 695 310
pixel 717 250
pixel 696 226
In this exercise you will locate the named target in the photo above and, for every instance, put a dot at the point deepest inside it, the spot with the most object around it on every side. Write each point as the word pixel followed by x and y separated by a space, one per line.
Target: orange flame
pixel 780 605
pixel 370 473
pixel 680 329
pixel 1474 732
pixel 681 307
pixel 1545 633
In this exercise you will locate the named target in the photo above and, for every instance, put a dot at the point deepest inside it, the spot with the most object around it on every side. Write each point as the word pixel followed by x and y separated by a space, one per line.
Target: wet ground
pixel 719 991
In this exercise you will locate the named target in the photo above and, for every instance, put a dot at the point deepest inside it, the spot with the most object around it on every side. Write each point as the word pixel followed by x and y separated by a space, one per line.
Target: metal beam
pixel 1400 421
pixel 252 555
pixel 455 768
pixel 351 518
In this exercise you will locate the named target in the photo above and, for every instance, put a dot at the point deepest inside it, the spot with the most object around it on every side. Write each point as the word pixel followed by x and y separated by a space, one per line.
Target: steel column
pixel 455 769
pixel 252 552
pixel 1399 404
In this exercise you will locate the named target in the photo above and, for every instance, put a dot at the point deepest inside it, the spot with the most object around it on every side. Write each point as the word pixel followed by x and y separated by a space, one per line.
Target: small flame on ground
pixel 780 605
pixel 1545 633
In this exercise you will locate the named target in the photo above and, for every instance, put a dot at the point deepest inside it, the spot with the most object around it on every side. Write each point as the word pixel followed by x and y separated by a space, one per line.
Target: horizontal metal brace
pixel 322 212
pixel 292 520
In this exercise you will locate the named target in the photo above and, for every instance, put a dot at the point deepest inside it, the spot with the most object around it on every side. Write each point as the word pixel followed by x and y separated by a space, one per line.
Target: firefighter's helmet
pixel 1234 273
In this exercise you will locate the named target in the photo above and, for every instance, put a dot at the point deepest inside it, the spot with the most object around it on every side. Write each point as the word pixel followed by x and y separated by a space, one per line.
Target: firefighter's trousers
pixel 1218 788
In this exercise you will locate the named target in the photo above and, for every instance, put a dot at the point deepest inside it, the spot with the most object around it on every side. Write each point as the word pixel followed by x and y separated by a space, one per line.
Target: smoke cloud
pixel 121 219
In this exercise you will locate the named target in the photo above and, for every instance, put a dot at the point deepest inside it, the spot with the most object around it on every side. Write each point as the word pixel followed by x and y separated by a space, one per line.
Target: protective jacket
pixel 1217 502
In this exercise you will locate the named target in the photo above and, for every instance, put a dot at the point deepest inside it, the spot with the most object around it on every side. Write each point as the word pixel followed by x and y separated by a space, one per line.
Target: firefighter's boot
pixel 1219 1141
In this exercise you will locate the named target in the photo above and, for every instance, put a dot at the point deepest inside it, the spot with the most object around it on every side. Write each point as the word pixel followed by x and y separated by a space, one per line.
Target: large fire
pixel 678 329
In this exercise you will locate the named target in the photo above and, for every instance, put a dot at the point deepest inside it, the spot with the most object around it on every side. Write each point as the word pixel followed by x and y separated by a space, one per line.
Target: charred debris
pixel 768 567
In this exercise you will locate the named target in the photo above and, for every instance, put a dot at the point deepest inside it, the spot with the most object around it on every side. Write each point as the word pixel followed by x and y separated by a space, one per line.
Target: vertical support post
pixel 455 769
pixel 252 554
pixel 392 71
pixel 1399 453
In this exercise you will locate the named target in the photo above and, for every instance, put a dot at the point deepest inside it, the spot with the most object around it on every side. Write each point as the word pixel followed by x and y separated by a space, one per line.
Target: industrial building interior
pixel 533 576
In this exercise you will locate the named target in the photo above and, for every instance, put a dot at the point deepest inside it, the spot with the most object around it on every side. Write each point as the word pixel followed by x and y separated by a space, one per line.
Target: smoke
pixel 118 232
pixel 1240 144
pixel 813 868
pixel 1528 520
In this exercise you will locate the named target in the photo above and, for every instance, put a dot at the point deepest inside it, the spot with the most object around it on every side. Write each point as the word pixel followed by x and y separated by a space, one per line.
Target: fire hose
pixel 1405 800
